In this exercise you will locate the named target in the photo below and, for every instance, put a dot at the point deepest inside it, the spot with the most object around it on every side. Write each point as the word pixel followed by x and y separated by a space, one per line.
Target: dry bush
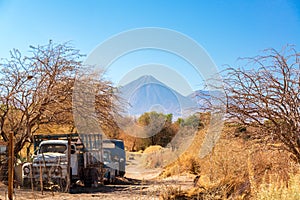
pixel 236 169
pixel 152 156
pixel 263 92
pixel 277 190
pixel 224 173
pixel 188 161
pixel 185 164
pixel 171 192
pixel 158 157
pixel 230 188
pixel 263 165
pixel 153 149
pixel 189 164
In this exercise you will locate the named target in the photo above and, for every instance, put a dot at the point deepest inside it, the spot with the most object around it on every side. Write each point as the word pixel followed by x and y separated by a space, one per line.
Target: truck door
pixel 74 160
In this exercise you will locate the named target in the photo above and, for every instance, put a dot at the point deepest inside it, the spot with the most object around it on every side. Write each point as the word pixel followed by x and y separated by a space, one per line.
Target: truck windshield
pixel 106 156
pixel 53 148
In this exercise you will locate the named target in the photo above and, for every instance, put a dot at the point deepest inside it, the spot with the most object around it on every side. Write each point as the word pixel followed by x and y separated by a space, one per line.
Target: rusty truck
pixel 61 160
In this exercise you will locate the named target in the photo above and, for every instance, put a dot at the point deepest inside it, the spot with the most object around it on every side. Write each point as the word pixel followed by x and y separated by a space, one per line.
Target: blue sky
pixel 225 29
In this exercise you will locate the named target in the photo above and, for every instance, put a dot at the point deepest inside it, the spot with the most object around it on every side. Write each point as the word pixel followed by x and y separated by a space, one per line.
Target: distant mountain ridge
pixel 148 94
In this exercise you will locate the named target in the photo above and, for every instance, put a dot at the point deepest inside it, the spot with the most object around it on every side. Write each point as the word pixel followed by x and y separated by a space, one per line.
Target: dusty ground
pixel 139 183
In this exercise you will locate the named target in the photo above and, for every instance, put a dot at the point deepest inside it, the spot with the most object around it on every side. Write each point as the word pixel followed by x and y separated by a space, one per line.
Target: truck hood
pixel 50 158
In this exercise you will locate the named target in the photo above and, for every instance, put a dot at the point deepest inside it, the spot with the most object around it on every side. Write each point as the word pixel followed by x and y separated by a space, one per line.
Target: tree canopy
pixel 37 89
pixel 268 97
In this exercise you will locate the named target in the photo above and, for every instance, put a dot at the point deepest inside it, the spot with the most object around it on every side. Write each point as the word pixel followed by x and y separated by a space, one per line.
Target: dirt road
pixel 136 189
pixel 139 183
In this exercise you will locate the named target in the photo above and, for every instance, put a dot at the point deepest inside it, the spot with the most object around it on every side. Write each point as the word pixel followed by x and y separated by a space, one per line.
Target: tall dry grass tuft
pixel 251 176
pixel 171 192
pixel 279 190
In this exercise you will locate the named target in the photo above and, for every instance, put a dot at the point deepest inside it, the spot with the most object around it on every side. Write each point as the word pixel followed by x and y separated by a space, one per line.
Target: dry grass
pixel 278 190
pixel 152 157
pixel 238 168
pixel 171 192
pixel 152 149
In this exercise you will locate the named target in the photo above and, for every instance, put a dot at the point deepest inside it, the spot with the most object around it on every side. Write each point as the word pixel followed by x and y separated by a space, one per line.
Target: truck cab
pixel 63 159
pixel 117 151
pixel 51 160
pixel 111 167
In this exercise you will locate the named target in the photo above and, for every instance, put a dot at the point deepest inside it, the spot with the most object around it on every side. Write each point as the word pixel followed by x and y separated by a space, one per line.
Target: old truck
pixel 63 159
pixel 117 150
pixel 111 167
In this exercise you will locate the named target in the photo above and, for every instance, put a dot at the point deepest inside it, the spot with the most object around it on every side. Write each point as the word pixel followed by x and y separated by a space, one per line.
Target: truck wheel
pixel 113 178
pixel 87 182
pixel 106 182
pixel 27 183
pixel 63 185
pixel 121 173
pixel 90 177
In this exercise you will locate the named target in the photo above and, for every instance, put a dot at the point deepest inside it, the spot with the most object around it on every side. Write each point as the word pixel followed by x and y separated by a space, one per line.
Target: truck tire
pixel 91 176
pixel 106 182
pixel 87 178
pixel 121 169
pixel 27 183
pixel 87 182
pixel 62 184
pixel 121 173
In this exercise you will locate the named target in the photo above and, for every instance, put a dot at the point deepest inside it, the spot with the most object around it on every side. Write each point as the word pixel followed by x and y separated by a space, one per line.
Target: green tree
pixel 157 127
pixel 192 121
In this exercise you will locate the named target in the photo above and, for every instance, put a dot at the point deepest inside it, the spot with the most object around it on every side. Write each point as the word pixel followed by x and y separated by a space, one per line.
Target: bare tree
pixel 267 96
pixel 95 107
pixel 38 89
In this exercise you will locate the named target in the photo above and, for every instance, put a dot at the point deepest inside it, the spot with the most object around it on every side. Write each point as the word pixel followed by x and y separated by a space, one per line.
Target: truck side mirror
pixel 36 151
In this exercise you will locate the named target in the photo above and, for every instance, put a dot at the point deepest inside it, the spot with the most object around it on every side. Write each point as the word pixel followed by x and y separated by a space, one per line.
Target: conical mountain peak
pixel 147 79
pixel 146 93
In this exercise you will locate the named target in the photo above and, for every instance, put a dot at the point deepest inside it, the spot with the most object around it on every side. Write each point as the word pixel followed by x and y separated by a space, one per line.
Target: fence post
pixel 10 166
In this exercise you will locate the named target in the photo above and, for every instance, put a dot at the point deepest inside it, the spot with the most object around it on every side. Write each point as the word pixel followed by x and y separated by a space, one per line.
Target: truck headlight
pixel 57 171
pixel 26 170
